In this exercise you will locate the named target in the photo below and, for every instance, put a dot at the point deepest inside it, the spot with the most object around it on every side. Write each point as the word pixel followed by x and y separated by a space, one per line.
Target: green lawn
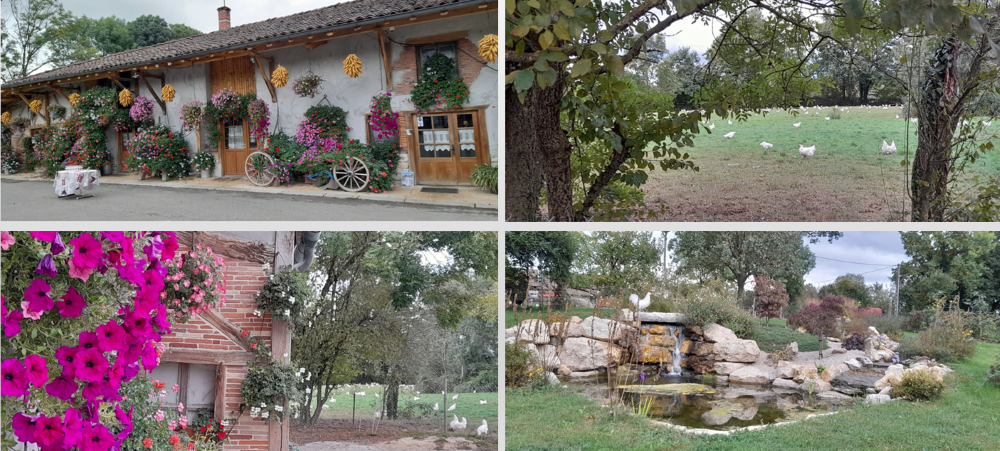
pixel 524 313
pixel 846 180
pixel 965 418
pixel 776 335
pixel 467 405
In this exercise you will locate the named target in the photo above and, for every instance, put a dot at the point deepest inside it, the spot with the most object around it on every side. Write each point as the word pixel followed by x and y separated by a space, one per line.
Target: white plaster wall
pixel 190 84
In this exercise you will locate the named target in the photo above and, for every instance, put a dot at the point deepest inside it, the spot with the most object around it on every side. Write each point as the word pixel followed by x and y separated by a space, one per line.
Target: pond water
pixel 700 402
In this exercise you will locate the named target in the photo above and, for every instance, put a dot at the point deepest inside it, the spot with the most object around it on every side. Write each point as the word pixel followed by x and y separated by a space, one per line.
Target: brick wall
pixel 243 279
pixel 469 66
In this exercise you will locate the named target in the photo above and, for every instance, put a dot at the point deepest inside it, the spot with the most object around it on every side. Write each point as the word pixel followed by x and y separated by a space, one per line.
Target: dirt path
pixel 403 444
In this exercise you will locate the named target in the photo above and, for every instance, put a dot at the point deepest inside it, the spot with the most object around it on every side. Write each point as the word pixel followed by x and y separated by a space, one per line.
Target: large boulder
pixel 853 364
pixel 660 317
pixel 803 372
pixel 658 340
pixel 834 396
pixel 792 350
pixel 894 369
pixel 533 331
pixel 510 335
pixel 816 384
pixel 749 375
pixel 718 334
pixel 566 329
pixel 584 354
pixel 604 329
pixel 785 369
pixel 832 371
pixel 879 348
pixel 725 368
pixel 687 347
pixel 703 348
pixel 887 381
pixel 785 383
pixel 852 381
pixel 877 399
pixel 546 356
pixel 702 365
pixel 737 351
pixel 655 354
pixel 551 378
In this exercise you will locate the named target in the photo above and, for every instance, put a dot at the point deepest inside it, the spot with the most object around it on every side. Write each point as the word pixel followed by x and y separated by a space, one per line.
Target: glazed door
pixel 124 138
pixel 448 148
pixel 236 146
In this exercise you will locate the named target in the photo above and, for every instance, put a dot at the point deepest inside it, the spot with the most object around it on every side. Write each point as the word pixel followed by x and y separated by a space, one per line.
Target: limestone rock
pixel 745 414
pixel 571 329
pixel 654 354
pixel 576 319
pixel 564 370
pixel 702 365
pixel 885 391
pixel 577 374
pixel 850 391
pixel 872 331
pixel 718 334
pixel 737 351
pixel 687 347
pixel 704 348
pixel 533 331
pixel 661 317
pixel 785 383
pixel 833 396
pixel 726 369
pixel 749 375
pixel 859 381
pixel 604 329
pixel 803 372
pixel 786 369
pixel 818 385
pixel 888 381
pixel 546 356
pixel 693 329
pixel 551 378
pixel 802 330
pixel 839 351
pixel 832 371
pixel 510 335
pixel 894 369
pixel 853 364
pixel 792 350
pixel 657 329
pixel 877 399
pixel 833 340
pixel 659 340
pixel 865 361
pixel 583 354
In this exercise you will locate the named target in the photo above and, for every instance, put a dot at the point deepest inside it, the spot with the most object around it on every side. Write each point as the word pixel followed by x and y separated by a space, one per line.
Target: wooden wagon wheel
pixel 258 166
pixel 352 175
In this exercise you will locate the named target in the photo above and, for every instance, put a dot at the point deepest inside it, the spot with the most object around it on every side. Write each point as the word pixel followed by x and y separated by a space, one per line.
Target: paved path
pixel 403 444
pixel 35 201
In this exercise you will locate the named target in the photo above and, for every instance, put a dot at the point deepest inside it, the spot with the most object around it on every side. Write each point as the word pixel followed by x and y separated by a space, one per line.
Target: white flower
pixel 285 355
pixel 310 324
pixel 256 313
pixel 287 313
pixel 279 408
pixel 292 299
pixel 225 423
pixel 265 414
pixel 308 390
pixel 266 267
pixel 263 405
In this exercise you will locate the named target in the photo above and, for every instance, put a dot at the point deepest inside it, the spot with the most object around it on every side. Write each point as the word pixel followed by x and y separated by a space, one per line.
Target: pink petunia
pixel 79 273
pixel 44 236
pixel 71 305
pixel 14 378
pixel 87 251
pixel 29 313
pixel 37 295
pixel 6 240
pixel 38 373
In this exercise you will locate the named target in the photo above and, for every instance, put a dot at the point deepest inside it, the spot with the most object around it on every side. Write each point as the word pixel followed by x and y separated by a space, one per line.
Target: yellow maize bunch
pixel 168 93
pixel 35 105
pixel 5 117
pixel 73 98
pixel 280 77
pixel 489 46
pixel 125 97
pixel 352 66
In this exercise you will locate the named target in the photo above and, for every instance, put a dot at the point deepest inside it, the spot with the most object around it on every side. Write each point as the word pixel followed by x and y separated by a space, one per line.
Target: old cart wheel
pixel 258 168
pixel 352 175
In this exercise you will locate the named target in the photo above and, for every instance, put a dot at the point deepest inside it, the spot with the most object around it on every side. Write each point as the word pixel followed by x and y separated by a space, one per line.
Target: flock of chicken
pixel 887 149
pixel 460 425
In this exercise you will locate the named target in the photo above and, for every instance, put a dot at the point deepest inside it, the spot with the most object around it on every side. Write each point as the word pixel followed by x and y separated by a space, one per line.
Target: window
pixel 466 136
pixel 434 136
pixel 196 385
pixel 235 133
pixel 427 51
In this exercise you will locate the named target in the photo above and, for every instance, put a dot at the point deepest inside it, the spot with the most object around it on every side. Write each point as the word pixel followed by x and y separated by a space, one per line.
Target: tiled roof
pixel 316 20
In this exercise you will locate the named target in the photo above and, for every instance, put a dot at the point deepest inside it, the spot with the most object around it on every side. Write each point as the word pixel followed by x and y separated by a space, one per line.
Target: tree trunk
pixel 935 130
pixel 392 398
pixel 523 174
pixel 553 147
pixel 740 282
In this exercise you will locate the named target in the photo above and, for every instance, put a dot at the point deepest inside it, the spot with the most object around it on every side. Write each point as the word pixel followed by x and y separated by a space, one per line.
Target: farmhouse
pixel 392 39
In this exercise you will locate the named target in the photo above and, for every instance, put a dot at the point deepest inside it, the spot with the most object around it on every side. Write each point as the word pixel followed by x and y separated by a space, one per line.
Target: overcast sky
pixel 875 249
pixel 199 14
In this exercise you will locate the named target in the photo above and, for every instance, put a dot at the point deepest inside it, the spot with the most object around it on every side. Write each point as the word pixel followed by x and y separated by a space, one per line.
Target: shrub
pixel 157 149
pixel 267 387
pixel 51 146
pixel 770 296
pixel 891 326
pixel 855 342
pixel 12 160
pixel 284 295
pixel 486 177
pixel 918 385
pixel 707 306
pixel 993 375
pixel 519 365
pixel 941 343
pixel 820 318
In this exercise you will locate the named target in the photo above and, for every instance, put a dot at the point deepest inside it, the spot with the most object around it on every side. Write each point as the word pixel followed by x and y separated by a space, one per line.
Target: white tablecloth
pixel 68 182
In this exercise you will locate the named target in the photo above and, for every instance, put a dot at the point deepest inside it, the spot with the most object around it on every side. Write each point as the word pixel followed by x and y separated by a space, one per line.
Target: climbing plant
pixel 436 87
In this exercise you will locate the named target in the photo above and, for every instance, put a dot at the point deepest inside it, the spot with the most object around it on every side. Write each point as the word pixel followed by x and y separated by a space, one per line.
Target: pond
pixel 699 402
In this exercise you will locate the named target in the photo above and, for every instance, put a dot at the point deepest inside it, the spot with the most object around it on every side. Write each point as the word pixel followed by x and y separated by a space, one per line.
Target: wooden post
pixel 265 76
pixel 354 407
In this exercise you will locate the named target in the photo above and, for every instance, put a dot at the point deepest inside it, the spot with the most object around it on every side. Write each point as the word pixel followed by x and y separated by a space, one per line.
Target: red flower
pixel 221 435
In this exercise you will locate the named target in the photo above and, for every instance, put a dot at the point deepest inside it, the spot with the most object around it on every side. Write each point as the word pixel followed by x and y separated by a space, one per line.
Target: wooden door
pixel 123 138
pixel 449 146
pixel 236 145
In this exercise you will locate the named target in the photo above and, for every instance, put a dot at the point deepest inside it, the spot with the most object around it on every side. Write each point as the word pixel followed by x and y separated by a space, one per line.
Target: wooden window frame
pixel 453 43
pixel 246 136
pixel 183 374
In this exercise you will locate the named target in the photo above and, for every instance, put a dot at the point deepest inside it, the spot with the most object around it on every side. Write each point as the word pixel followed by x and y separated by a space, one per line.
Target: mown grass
pixel 543 313
pixel 846 180
pixel 965 418
pixel 776 335
pixel 467 405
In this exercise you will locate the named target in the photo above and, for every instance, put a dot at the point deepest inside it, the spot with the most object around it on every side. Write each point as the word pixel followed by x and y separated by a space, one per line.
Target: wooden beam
pixel 207 357
pixel 385 58
pixel 220 391
pixel 45 107
pixel 59 91
pixel 151 75
pixel 227 328
pixel 115 79
pixel 163 106
pixel 454 36
pixel 28 104
pixel 313 45
pixel 266 77
pixel 183 376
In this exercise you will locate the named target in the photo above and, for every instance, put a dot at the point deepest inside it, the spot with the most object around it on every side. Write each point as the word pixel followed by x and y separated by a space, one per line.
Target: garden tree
pixel 71 42
pixel 821 319
pixel 620 263
pixel 849 286
pixel 735 256
pixel 551 253
pixel 644 72
pixel 769 297
pixel 883 296
pixel 679 74
pixel 990 290
pixel 149 29
pixel 179 30
pixel 944 265
pixel 28 28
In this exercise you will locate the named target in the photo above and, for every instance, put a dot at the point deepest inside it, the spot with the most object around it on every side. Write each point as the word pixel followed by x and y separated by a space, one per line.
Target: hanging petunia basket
pixel 168 92
pixel 352 66
pixel 73 98
pixel 280 77
pixel 35 105
pixel 489 47
pixel 125 97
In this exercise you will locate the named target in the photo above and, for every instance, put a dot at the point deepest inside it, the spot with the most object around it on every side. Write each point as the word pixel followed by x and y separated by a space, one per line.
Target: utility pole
pixel 899 267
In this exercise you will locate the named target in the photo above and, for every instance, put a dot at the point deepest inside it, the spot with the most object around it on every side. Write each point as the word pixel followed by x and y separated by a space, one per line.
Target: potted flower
pixel 205 162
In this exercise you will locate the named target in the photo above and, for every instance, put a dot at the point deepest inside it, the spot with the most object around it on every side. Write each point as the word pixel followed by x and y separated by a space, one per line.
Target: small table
pixel 73 182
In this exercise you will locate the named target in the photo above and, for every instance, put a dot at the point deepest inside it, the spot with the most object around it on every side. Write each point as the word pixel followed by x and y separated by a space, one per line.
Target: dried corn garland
pixel 35 105
pixel 125 97
pixel 73 98
pixel 167 92
pixel 280 77
pixel 352 66
pixel 5 117
pixel 489 47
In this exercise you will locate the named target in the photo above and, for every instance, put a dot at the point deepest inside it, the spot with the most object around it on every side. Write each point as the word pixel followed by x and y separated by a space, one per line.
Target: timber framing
pixel 271 44
pixel 206 357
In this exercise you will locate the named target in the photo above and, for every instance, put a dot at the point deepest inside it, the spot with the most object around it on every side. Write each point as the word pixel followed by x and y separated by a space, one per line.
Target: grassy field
pixel 524 313
pixel 776 335
pixel 467 405
pixel 846 180
pixel 965 418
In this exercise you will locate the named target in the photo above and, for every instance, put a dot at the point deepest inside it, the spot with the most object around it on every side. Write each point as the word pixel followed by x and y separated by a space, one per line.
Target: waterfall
pixel 678 333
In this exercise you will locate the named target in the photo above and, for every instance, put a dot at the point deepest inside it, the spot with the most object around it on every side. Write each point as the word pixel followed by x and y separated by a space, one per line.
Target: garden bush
pixel 707 305
pixel 157 149
pixel 943 343
pixel 51 147
pixel 486 177
pixel 519 366
pixel 891 326
pixel 856 342
pixel 917 386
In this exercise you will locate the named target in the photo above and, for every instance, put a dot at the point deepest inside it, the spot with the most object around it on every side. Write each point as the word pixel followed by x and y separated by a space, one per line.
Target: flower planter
pixel 205 174
pixel 163 175
pixel 106 169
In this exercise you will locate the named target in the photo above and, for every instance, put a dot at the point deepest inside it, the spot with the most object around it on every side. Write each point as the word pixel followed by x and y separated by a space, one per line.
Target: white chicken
pixel 458 425
pixel 482 401
pixel 913 120
pixel 888 149
pixel 712 127
pixel 730 122
pixel 986 124
pixel 730 135
pixel 482 430
pixel 416 398
pixel 897 116
pixel 797 124
pixel 451 408
pixel 827 118
pixel 435 407
pixel 454 397
pixel 766 145
pixel 807 151
pixel 639 304
pixel 965 123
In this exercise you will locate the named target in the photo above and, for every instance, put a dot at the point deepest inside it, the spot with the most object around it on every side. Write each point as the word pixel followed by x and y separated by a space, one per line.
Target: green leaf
pixel 561 29
pixel 976 24
pixel 547 78
pixel 523 80
pixel 617 66
pixel 580 67
pixel 510 5
pixel 567 8
pixel 546 39
pixel 533 4
pixel 520 31
pixel 553 55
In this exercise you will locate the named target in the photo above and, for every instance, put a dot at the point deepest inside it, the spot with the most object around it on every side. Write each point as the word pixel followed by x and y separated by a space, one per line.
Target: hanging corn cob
pixel 280 77
pixel 352 66
pixel 167 92
pixel 489 47
pixel 125 97
pixel 5 117
pixel 73 98
pixel 35 105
